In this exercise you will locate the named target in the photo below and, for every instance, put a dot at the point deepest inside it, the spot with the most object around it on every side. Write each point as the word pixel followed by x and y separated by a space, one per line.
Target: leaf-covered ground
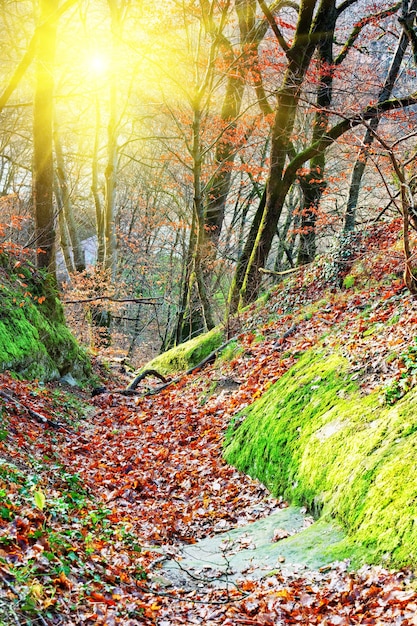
pixel 90 507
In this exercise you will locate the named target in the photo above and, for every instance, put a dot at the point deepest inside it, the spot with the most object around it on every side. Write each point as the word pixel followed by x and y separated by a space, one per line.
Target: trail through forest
pixel 93 508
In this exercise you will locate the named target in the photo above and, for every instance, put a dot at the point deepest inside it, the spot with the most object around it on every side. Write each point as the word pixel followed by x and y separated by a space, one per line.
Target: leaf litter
pixel 89 512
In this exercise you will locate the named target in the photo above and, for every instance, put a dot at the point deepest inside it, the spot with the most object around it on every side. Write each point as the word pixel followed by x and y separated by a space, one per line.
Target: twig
pixel 37 416
pixel 285 272
pixel 208 602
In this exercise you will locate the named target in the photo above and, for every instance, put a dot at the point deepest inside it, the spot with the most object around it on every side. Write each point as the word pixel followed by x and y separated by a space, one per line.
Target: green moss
pixel 188 354
pixel 34 341
pixel 315 440
pixel 231 351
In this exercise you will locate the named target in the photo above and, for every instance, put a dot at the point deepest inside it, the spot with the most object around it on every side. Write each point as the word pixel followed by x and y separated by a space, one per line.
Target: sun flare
pixel 98 63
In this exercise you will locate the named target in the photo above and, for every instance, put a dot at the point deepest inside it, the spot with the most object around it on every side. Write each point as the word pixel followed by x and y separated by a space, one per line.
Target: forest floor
pixel 94 502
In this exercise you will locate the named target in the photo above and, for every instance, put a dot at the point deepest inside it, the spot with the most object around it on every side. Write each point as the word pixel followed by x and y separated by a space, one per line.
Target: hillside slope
pixel 325 367
pixel 315 396
pixel 34 340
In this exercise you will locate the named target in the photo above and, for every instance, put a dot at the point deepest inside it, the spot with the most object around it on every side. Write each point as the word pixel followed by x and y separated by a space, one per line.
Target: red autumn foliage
pixel 88 505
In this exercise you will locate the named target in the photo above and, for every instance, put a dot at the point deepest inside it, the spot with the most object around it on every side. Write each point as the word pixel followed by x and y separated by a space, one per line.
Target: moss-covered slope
pixel 187 354
pixel 34 340
pixel 314 438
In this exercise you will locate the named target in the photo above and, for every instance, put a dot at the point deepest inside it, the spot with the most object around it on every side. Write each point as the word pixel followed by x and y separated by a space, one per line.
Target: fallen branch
pixel 130 390
pixel 145 374
pixel 37 416
pixel 112 299
pixel 285 272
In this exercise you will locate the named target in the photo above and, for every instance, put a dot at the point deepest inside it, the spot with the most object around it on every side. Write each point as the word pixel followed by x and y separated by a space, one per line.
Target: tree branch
pixel 406 20
pixel 112 299
pixel 285 272
pixel 27 58
pixel 37 416
pixel 131 388
pixel 357 29
pixel 342 127
pixel 274 26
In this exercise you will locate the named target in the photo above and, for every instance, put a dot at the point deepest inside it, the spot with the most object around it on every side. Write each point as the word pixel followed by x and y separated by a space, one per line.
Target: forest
pixel 208 281
pixel 160 161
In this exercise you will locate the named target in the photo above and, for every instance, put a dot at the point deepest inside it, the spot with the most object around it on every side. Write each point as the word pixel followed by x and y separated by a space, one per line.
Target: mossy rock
pixel 188 354
pixel 314 439
pixel 34 340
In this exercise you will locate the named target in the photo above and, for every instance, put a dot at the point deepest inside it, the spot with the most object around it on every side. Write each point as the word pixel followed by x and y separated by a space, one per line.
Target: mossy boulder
pixel 34 340
pixel 187 354
pixel 316 440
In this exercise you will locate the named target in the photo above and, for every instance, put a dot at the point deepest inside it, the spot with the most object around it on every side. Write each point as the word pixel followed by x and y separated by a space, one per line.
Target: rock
pixel 68 379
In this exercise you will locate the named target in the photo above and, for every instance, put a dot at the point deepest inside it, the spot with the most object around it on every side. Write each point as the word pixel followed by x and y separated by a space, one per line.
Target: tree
pixel 43 168
pixel 67 223
pixel 407 18
pixel 313 183
pixel 238 63
pixel 311 30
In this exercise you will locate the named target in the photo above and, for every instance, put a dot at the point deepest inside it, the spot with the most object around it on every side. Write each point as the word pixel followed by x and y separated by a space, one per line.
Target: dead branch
pixel 112 299
pixel 285 272
pixel 130 390
pixel 37 416
pixel 132 386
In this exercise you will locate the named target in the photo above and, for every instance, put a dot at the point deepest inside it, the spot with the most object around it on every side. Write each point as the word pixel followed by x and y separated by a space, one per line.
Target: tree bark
pixel 67 208
pixel 43 169
pixel 313 184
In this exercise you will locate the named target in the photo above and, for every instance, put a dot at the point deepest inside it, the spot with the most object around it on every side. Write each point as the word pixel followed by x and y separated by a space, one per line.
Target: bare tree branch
pixel 112 299
pixel 27 58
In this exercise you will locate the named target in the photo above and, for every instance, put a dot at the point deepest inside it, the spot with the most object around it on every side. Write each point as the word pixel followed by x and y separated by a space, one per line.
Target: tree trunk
pixel 190 320
pixel 251 34
pixel 63 231
pixel 224 157
pixel 101 244
pixel 362 156
pixel 307 36
pixel 313 184
pixel 110 255
pixel 244 258
pixel 43 170
pixel 67 208
pixel 195 315
pixel 284 250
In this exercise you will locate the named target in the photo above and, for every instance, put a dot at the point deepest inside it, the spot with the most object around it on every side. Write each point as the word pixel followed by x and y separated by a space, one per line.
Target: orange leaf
pixel 97 597
pixel 62 581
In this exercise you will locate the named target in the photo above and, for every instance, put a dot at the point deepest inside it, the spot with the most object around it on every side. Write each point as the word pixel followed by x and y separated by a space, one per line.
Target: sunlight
pixel 98 64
